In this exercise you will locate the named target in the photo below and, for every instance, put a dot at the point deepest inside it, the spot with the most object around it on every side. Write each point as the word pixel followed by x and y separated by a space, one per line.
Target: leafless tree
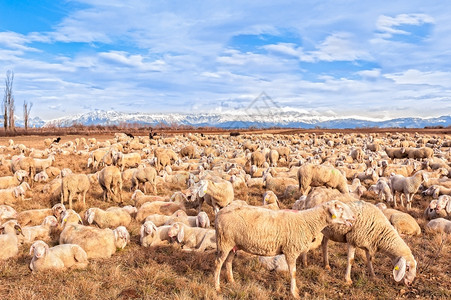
pixel 26 112
pixel 8 102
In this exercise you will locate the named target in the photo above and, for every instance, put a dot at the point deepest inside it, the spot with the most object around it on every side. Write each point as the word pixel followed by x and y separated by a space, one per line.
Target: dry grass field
pixel 168 273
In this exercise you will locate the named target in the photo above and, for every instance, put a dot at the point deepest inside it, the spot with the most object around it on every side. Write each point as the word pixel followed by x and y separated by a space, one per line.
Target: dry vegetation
pixel 168 273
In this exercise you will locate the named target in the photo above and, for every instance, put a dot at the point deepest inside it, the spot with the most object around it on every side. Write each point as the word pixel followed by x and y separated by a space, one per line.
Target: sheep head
pixel 121 237
pixel 339 213
pixel 177 230
pixel 148 228
pixel 39 249
pixel 202 220
pixel 405 269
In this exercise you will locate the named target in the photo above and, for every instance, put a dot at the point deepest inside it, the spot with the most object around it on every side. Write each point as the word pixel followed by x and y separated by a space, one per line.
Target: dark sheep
pixel 57 140
pixel 235 134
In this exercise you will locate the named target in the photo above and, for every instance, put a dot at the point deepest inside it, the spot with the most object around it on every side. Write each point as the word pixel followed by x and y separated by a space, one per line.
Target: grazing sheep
pixel 372 232
pixel 13 181
pixel 72 184
pixel 151 235
pixel 403 222
pixel 439 225
pixel 257 158
pixel 270 200
pixel 272 157
pixel 357 155
pixel 201 220
pixel 277 184
pixel 36 216
pixel 110 181
pixel 319 175
pixel 39 232
pixel 126 160
pixel 267 232
pixel 420 153
pixel 406 185
pixel 9 240
pixel 217 192
pixel 195 238
pixel 188 151
pixel 110 218
pixel 98 243
pixel 59 257
pixel 143 175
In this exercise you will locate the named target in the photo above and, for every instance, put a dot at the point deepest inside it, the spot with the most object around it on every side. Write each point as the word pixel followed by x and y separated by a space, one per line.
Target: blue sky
pixel 375 59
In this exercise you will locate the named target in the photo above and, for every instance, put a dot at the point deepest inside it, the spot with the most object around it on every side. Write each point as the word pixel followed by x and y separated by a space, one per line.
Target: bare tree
pixel 26 112
pixel 8 102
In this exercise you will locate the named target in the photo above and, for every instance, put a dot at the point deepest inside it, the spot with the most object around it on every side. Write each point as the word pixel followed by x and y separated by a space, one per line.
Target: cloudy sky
pixel 378 59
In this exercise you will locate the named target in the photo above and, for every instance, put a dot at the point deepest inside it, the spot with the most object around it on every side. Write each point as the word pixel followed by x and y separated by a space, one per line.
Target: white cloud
pixel 387 25
pixel 412 76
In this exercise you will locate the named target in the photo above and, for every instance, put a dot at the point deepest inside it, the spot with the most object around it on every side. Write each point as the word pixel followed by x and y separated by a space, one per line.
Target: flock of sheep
pixel 323 183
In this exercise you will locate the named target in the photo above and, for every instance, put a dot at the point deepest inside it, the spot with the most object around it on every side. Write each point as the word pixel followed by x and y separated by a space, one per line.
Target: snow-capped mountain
pixel 281 118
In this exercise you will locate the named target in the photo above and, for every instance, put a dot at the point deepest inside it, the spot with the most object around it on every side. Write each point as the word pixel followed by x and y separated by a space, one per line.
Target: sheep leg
pixel 228 264
pixel 351 254
pixel 70 200
pixel 304 259
pixel 409 201
pixel 325 253
pixel 220 258
pixel 84 198
pixel 291 261
pixel 369 262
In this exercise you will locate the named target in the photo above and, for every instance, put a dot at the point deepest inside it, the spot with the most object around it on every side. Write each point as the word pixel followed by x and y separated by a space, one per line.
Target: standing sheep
pixel 143 175
pixel 267 232
pixel 318 175
pixel 406 185
pixel 110 181
pixel 217 192
pixel 72 184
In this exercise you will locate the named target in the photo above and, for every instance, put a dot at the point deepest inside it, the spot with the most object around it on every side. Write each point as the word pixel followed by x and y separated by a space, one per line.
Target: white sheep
pixel 270 200
pixel 143 175
pixel 158 207
pixel 7 213
pixel 194 238
pixel 11 195
pixel 41 177
pixel 383 190
pixel 217 192
pixel 73 184
pixel 39 232
pixel 110 181
pixel 13 181
pixel 439 225
pixel 406 185
pixel 267 232
pixel 160 220
pixel 110 218
pixel 59 257
pixel 43 164
pixel 320 175
pixel 403 222
pixel 151 235
pixel 372 232
pixel 37 216
pixel 9 240
pixel 201 220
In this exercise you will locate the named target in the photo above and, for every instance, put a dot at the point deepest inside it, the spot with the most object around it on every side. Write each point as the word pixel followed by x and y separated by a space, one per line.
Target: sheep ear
pixel 197 221
pixel 181 234
pixel 16 192
pixel 448 206
pixel 91 215
pixel 208 222
pixel 31 249
pixel 400 269
pixel 203 188
pixel 79 219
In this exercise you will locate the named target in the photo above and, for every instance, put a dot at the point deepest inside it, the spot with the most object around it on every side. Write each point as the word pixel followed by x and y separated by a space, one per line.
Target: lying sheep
pixel 160 220
pixel 270 200
pixel 406 185
pixel 139 198
pixel 267 232
pixel 194 238
pixel 151 235
pixel 439 225
pixel 41 177
pixel 372 232
pixel 158 207
pixel 277 184
pixel 11 195
pixel 403 222
pixel 13 181
pixel 60 257
pixel 201 220
pixel 319 195
pixel 318 175
pixel 73 184
pixel 143 175
pixel 37 216
pixel 7 213
pixel 9 240
pixel 110 218
pixel 39 232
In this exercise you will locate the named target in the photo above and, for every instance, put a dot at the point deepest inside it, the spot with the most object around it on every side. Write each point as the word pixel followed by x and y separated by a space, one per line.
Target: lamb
pixel 60 257
pixel 13 181
pixel 143 175
pixel 160 220
pixel 72 184
pixel 201 220
pixel 110 181
pixel 39 232
pixel 9 240
pixel 267 232
pixel 407 185
pixel 110 218
pixel 403 222
pixel 36 216
pixel 98 243
pixel 270 200
pixel 151 235
pixel 318 175
pixel 382 189
pixel 439 225
pixel 195 238
pixel 43 164
pixel 372 232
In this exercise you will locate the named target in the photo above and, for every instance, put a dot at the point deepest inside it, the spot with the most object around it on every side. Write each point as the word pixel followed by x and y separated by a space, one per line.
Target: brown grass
pixel 168 273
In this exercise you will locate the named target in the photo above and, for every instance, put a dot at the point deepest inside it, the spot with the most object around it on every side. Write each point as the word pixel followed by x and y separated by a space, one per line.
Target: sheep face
pixel 339 213
pixel 178 231
pixel 39 249
pixel 148 228
pixel 121 237
pixel 202 220
pixel 406 270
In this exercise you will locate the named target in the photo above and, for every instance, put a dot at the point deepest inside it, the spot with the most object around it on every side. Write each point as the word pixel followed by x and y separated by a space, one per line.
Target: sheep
pixel 267 232
pixel 257 158
pixel 188 151
pixel 24 163
pixel 277 184
pixel 357 155
pixel 39 232
pixel 41 177
pixel 431 211
pixel 43 164
pixel 59 257
pixel 319 195
pixel 9 196
pixel 13 181
pixel 151 235
pixel 437 190
pixel 372 232
pixel 9 240
pixel 143 175
pixel 195 238
pixel 36 216
pixel 201 220
pixel 72 184
pixel 403 222
pixel 270 200
pixel 439 225
pixel 272 157
pixel 217 192
pixel 7 213
pixel 157 207
pixel 110 218
pixel 160 220
pixel 318 175
pixel 406 185
pixel 139 198
pixel 420 153
pixel 370 176
pixel 110 181
pixel 396 152
pixel 382 189
pixel 98 243
pixel 126 160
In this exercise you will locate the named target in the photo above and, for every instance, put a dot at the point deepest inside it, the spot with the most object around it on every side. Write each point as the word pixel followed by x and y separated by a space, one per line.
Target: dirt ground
pixel 168 273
